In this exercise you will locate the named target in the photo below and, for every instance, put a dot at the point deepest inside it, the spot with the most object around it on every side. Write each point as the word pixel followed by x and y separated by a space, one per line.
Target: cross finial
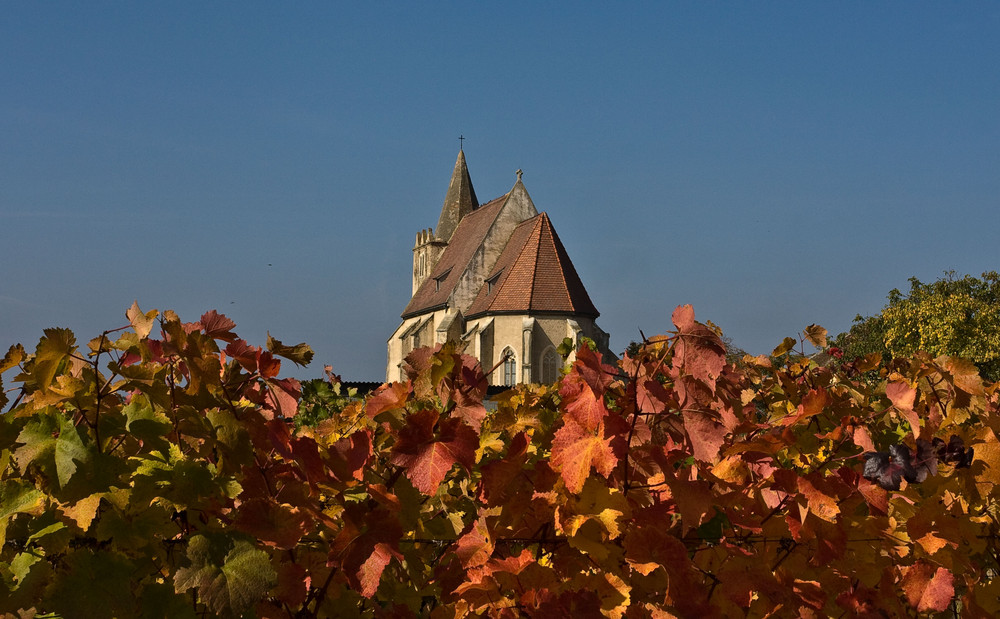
pixel 519 173
pixel 461 142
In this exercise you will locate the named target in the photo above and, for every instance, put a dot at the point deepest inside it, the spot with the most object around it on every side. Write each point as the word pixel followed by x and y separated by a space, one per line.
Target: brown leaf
pixel 815 335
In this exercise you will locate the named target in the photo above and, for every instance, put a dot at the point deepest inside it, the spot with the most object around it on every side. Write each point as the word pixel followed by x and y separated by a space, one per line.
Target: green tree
pixel 951 316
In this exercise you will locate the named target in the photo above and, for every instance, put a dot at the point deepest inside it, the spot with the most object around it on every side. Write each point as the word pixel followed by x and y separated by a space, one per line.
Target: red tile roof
pixel 533 274
pixel 436 290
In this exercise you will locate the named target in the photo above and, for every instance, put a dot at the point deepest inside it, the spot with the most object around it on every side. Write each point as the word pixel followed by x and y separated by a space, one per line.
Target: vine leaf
pixel 428 456
pixel 815 335
pixel 576 450
pixel 141 322
pixel 218 326
pixel 903 397
pixel 51 441
pixel 299 354
pixel 230 575
pixel 698 349
pixel 927 588
pixel 582 390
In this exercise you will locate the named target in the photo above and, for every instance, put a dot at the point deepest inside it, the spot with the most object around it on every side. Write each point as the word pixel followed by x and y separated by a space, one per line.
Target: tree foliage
pixel 162 475
pixel 951 316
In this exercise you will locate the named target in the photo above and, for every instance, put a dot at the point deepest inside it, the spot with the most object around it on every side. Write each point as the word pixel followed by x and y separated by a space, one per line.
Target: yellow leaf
pixel 786 345
pixel 83 511
pixel 142 323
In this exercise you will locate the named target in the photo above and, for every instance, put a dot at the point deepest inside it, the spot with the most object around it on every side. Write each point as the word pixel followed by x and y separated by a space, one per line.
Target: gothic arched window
pixel 550 366
pixel 509 367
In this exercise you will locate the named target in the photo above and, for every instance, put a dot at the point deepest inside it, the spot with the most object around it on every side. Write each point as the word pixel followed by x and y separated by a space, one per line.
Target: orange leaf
pixel 388 397
pixel 575 450
pixel 582 390
pixel 927 588
pixel 474 547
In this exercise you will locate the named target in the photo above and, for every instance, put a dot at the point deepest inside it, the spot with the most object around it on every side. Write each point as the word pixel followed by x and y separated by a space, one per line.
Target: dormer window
pixel 440 278
pixel 492 282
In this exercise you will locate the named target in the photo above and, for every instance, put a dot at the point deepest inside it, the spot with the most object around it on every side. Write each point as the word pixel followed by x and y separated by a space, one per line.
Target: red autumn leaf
pixel 426 456
pixel 283 396
pixel 293 583
pixel 500 478
pixel 365 545
pixel 370 571
pixel 268 365
pixel 475 546
pixel 698 350
pixel 349 455
pixel 217 326
pixel 705 432
pixel 391 396
pixel 245 354
pixel 576 450
pixel 582 390
pixel 274 524
pixel 280 437
pixel 424 368
pixel 306 454
pixel 927 588
pixel 467 388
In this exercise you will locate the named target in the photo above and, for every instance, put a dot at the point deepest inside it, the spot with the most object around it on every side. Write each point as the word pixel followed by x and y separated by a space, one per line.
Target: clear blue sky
pixel 774 164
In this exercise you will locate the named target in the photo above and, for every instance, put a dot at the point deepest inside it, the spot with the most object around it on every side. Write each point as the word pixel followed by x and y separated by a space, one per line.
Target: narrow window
pixel 550 366
pixel 509 368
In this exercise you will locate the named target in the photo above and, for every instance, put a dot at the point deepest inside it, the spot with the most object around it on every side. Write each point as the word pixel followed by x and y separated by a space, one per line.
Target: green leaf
pixel 231 575
pixel 300 354
pixel 145 423
pixel 51 441
pixel 21 564
pixel 18 497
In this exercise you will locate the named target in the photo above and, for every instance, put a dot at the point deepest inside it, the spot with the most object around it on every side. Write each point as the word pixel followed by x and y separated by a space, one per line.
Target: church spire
pixel 459 202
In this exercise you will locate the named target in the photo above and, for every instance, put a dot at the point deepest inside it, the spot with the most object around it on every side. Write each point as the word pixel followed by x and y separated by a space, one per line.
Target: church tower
pixel 458 202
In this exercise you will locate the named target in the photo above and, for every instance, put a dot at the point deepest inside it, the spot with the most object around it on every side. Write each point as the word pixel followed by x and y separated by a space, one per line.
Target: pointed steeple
pixel 459 202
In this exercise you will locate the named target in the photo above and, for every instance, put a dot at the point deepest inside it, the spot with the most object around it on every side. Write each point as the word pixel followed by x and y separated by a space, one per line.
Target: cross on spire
pixel 461 142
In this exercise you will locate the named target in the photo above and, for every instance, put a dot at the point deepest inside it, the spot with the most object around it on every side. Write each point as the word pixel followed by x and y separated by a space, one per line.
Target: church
pixel 496 278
